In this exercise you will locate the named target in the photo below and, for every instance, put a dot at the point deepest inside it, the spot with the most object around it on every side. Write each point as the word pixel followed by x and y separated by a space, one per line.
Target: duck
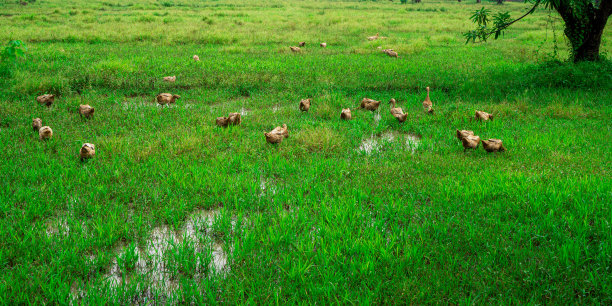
pixel 464 133
pixel 86 110
pixel 375 37
pixel 45 133
pixel 323 45
pixel 470 142
pixel 46 100
pixel 305 104
pixel 493 145
pixel 234 118
pixel 165 98
pixel 302 43
pixel 427 104
pixel 36 124
pixel 397 112
pixel 346 114
pixel 390 53
pixel 277 134
pixel 295 49
pixel 274 137
pixel 282 130
pixel 196 58
pixel 170 79
pixel 88 150
pixel 223 121
pixel 369 104
pixel 480 115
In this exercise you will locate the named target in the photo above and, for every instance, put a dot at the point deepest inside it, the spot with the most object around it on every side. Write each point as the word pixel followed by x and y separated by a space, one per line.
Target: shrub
pixel 9 57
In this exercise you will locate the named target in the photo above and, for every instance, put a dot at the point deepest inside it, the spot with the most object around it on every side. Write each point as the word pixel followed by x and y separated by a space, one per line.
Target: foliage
pixel 10 55
pixel 584 24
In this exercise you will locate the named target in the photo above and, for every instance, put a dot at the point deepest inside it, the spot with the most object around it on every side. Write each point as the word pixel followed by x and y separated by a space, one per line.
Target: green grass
pixel 312 219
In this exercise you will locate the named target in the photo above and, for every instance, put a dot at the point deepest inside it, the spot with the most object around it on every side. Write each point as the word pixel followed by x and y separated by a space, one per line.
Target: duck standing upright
pixel 427 104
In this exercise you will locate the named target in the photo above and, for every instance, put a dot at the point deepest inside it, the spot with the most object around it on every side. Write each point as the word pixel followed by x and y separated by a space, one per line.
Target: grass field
pixel 173 209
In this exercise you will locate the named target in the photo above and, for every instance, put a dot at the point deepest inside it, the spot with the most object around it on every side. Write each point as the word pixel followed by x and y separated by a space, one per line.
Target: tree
pixel 584 20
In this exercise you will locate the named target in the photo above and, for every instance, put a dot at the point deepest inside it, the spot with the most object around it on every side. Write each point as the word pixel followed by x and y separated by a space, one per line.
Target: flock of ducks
pixel 471 141
pixel 467 138
pixel 88 150
pixel 302 44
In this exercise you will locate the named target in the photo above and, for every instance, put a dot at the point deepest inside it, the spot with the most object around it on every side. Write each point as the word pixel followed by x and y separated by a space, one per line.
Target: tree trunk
pixel 584 27
pixel 500 1
pixel 477 1
pixel 588 48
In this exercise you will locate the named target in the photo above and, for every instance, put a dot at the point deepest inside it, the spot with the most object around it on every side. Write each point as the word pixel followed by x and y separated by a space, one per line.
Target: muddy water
pixel 152 257
pixel 375 143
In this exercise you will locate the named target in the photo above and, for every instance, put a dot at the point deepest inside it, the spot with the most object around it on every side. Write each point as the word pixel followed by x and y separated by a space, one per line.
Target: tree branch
pixel 505 26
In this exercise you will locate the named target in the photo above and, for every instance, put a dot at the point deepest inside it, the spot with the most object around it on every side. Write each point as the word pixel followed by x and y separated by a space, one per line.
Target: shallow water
pixel 375 143
pixel 244 112
pixel 152 257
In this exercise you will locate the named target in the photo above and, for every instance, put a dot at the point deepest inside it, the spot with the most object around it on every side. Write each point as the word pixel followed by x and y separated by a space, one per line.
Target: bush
pixel 14 50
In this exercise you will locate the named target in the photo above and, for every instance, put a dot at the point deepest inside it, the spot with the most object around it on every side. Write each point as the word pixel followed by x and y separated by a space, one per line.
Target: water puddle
pixel 377 117
pixel 244 112
pixel 57 226
pixel 375 143
pixel 167 253
pixel 266 187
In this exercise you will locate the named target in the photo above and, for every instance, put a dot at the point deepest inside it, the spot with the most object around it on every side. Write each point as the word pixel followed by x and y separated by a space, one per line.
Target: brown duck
pixel 46 100
pixel 427 104
pixel 86 110
pixel 375 37
pixel 391 53
pixel 295 49
pixel 234 118
pixel 483 116
pixel 305 104
pixel 222 121
pixel 36 124
pixel 346 114
pixel 166 98
pixel 273 137
pixel 277 134
pixel 493 145
pixel 302 43
pixel 323 45
pixel 397 112
pixel 470 142
pixel 281 130
pixel 170 79
pixel 369 104
pixel 464 133
pixel 45 133
pixel 88 150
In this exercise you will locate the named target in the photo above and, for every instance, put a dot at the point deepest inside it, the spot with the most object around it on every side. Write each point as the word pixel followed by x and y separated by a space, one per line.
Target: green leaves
pixel 14 50
pixel 480 17
pixel 500 21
